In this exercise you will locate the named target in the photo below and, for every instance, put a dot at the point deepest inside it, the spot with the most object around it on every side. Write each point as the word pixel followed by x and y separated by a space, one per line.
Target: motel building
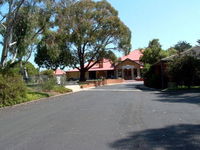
pixel 128 68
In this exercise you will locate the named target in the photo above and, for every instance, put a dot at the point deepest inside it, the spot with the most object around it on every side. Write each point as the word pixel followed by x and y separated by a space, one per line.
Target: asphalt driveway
pixel 122 117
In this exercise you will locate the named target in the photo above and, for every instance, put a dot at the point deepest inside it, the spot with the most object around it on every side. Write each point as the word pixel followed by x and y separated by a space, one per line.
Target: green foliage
pixel 91 29
pixel 49 84
pixel 153 53
pixel 182 46
pixel 23 26
pixel 171 51
pixel 35 95
pixel 12 89
pixel 61 89
pixel 151 79
pixel 198 41
pixel 52 52
pixel 185 70
pixel 30 68
pixel 48 73
pixel 146 68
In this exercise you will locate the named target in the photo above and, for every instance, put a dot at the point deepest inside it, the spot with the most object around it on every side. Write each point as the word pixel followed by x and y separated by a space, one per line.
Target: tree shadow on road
pixel 140 87
pixel 176 137
pixel 183 96
pixel 191 97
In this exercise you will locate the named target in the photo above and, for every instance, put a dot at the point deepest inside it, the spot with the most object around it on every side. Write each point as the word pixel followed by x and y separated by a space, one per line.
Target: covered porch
pixel 128 70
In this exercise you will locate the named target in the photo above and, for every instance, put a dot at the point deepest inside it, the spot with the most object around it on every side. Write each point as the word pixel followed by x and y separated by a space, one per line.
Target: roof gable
pixel 59 72
pixel 134 55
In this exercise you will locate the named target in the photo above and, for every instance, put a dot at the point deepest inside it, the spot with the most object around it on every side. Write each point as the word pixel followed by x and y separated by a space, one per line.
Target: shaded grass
pixel 182 88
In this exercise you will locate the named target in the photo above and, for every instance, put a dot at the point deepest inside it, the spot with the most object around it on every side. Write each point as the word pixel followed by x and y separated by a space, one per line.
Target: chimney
pixel 101 63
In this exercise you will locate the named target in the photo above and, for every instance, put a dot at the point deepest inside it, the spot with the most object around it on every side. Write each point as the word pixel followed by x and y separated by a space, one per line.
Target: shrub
pixel 12 89
pixel 49 84
pixel 48 73
pixel 151 79
pixel 184 70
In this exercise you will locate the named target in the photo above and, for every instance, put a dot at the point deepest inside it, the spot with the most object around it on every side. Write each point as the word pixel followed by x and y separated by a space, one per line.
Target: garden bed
pixel 96 83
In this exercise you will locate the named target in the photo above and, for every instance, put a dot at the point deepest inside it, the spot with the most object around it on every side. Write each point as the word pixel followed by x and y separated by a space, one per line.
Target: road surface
pixel 118 117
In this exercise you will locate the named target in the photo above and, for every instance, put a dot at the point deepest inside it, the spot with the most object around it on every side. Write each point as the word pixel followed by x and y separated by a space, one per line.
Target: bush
pixel 48 73
pixel 49 84
pixel 12 89
pixel 184 70
pixel 151 79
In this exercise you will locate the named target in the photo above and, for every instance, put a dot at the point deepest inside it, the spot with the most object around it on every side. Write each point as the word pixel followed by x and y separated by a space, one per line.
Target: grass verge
pixel 32 95
pixel 61 89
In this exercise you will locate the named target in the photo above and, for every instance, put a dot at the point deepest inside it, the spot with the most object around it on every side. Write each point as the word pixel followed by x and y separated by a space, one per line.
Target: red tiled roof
pixel 134 55
pixel 59 72
pixel 107 65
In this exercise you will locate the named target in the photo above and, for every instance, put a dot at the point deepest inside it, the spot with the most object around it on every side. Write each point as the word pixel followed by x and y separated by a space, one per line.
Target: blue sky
pixel 168 20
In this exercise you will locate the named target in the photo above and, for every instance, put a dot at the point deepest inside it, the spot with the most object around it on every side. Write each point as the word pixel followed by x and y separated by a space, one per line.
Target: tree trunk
pixel 82 75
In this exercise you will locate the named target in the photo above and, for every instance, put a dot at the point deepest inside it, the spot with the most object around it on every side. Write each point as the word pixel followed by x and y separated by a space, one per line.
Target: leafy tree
pixel 171 51
pixel 184 70
pixel 20 27
pixel 49 73
pixel 30 68
pixel 153 53
pixel 182 46
pixel 92 30
pixel 52 52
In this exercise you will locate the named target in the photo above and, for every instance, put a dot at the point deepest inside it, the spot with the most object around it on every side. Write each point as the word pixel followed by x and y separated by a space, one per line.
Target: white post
pixel 138 73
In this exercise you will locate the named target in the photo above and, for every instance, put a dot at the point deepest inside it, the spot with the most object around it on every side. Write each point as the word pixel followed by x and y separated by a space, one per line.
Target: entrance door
pixel 127 74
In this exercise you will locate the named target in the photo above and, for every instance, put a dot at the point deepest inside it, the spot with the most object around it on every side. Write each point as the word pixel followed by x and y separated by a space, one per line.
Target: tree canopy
pixel 92 30
pixel 182 46
pixel 21 24
pixel 52 52
pixel 153 53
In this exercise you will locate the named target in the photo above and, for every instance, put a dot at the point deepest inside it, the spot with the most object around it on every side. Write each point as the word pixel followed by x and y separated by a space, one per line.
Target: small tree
pixel 153 53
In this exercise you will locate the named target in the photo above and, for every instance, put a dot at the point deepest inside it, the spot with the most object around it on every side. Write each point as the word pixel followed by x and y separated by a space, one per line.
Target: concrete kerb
pixel 54 96
pixel 46 98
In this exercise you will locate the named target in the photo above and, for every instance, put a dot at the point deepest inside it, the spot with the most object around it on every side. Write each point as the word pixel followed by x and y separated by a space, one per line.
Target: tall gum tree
pixel 20 26
pixel 92 30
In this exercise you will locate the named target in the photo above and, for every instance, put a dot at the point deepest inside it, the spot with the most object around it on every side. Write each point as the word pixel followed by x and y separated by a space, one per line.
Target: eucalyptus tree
pixel 52 51
pixel 92 31
pixel 21 24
